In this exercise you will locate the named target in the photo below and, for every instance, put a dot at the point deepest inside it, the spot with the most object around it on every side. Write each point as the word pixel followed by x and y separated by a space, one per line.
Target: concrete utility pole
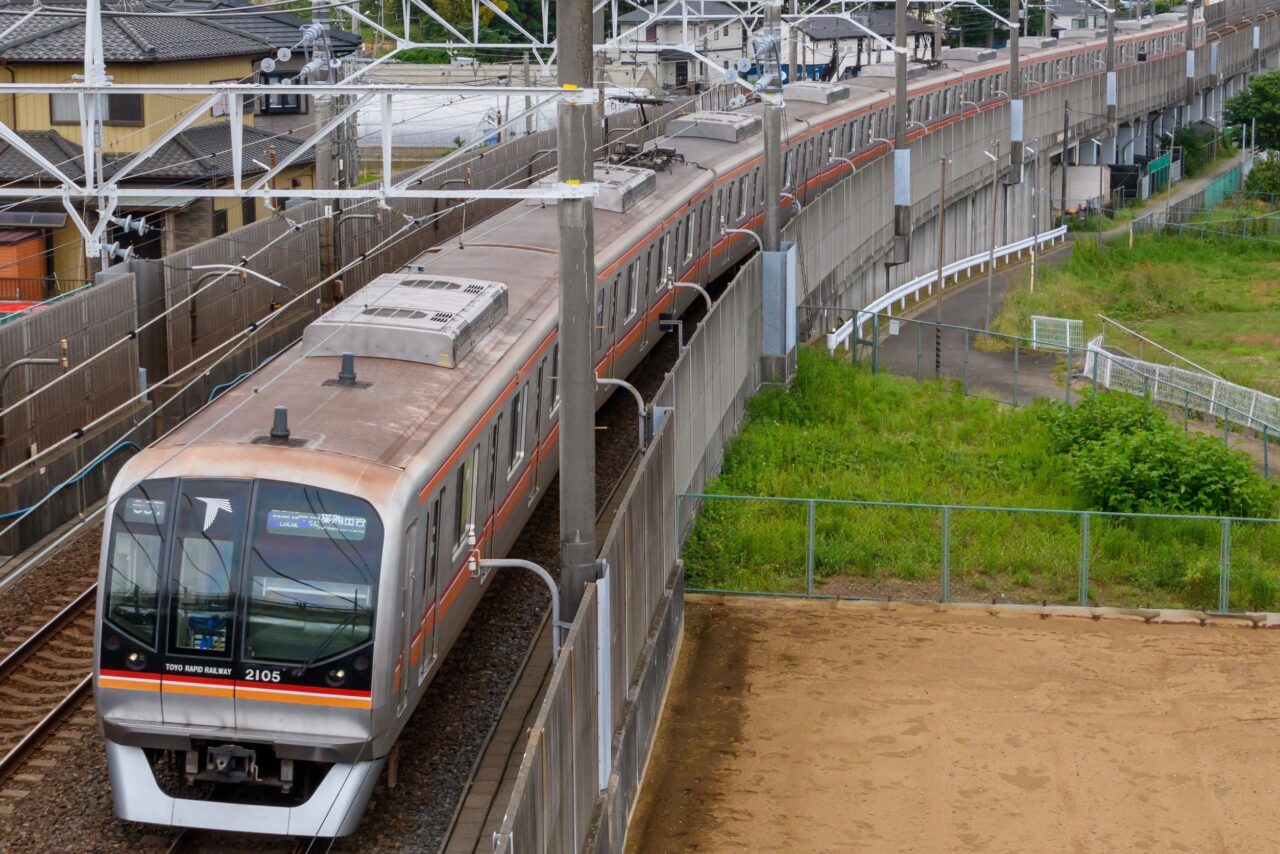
pixel 1256 28
pixel 778 312
pixel 326 175
pixel 1112 92
pixel 1015 97
pixel 577 291
pixel 1191 56
pixel 901 150
pixel 771 94
pixel 942 260
pixel 1066 142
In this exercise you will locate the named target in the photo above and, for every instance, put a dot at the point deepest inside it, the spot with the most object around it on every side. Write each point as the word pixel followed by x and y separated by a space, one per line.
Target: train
pixel 283 574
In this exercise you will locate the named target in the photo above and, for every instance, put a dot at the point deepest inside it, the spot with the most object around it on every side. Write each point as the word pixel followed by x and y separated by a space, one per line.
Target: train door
pixel 409 622
pixel 432 592
pixel 198 686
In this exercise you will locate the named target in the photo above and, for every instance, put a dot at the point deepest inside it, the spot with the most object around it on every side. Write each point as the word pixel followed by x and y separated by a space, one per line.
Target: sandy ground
pixel 812 728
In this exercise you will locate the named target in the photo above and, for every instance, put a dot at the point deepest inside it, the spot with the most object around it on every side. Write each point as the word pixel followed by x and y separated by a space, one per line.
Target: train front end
pixel 235 654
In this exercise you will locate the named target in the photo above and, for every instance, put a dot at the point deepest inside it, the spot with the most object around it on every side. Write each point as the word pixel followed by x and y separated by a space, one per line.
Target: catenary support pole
pixel 326 174
pixel 772 138
pixel 901 149
pixel 1015 97
pixel 577 289
pixel 1112 94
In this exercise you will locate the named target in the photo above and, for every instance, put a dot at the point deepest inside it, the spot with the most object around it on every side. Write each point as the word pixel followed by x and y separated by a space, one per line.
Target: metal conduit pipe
pixel 643 410
pixel 479 564
pixel 747 231
pixel 696 287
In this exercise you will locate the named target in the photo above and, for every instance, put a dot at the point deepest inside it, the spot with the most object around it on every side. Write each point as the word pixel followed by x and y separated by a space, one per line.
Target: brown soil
pixel 804 727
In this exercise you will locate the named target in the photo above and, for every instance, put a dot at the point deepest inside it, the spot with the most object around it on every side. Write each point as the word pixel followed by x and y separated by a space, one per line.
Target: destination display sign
pixel 296 523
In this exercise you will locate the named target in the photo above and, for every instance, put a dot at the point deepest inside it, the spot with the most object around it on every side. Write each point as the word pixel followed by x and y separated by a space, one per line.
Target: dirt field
pixel 802 727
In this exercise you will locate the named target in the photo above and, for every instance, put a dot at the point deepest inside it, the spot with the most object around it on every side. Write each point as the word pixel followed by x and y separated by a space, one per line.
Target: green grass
pixel 840 432
pixel 1215 302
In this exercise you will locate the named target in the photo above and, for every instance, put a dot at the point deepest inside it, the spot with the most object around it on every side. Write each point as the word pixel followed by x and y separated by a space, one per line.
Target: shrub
pixel 1264 177
pixel 1097 416
pixel 1127 457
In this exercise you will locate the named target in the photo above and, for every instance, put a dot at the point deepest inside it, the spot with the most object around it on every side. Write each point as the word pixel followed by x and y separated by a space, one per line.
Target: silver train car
pixel 276 597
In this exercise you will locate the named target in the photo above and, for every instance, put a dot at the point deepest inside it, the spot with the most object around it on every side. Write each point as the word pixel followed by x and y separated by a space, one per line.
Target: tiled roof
pixel 196 155
pixel 60 38
pixel 15 166
pixel 698 9
pixel 881 21
pixel 278 29
pixel 204 152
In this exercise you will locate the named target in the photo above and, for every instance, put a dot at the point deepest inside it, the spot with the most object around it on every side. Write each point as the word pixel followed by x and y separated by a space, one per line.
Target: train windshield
pixel 135 556
pixel 312 573
pixel 262 570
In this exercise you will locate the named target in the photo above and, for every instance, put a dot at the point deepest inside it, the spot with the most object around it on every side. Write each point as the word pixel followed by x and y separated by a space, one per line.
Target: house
pixel 834 47
pixel 1076 15
pixel 139 49
pixel 715 29
pixel 282 31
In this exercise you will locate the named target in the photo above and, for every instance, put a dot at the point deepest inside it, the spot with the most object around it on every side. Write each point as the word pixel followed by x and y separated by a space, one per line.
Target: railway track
pixel 45 687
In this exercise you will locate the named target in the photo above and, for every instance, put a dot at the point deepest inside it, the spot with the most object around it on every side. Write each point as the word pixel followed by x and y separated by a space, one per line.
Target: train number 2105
pixel 255 675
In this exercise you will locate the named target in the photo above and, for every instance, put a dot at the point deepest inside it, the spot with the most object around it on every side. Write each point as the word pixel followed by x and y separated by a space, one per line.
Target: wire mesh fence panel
pixel 1136 561
pixel 1254 576
pixel 1013 557
pixel 879 552
pixel 1056 333
pixel 748 545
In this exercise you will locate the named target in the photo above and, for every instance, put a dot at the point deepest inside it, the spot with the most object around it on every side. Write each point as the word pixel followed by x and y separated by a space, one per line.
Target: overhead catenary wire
pixel 401 234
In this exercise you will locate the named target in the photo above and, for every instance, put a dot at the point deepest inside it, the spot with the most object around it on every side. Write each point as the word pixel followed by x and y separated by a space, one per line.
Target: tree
pixel 1260 102
pixel 1264 177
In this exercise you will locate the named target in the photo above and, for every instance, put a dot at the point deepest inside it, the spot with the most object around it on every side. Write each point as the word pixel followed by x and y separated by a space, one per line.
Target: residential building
pixel 834 47
pixel 139 49
pixel 713 28
pixel 282 31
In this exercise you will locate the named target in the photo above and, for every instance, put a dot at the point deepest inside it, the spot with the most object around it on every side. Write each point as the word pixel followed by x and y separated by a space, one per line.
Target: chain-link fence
pixel 953 553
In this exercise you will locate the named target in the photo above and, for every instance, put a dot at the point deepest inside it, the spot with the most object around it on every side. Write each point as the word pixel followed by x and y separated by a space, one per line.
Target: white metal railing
pixel 903 292
pixel 1235 404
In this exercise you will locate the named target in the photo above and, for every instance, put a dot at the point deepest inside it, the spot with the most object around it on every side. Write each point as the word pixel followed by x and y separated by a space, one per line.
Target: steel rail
pixel 25 649
pixel 47 725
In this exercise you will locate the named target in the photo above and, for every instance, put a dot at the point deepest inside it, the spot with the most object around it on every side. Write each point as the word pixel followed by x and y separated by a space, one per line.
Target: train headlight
pixel 336 677
pixel 136 661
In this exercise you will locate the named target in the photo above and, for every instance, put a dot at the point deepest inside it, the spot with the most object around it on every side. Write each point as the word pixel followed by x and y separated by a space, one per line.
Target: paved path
pixel 991 373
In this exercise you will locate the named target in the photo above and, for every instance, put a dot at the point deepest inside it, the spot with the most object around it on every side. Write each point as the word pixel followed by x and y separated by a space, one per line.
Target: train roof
pixel 397 406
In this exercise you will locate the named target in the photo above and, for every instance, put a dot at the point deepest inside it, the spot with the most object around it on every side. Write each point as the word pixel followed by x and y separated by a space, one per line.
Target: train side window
pixel 515 448
pixel 465 509
pixel 430 594
pixel 788 168
pixel 633 283
pixel 600 302
pixel 691 230
pixel 493 457
pixel 537 408
pixel 664 256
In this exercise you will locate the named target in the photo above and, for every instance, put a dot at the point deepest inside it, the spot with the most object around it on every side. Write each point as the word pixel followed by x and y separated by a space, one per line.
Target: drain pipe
pixel 724 230
pixel 60 362
pixel 643 410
